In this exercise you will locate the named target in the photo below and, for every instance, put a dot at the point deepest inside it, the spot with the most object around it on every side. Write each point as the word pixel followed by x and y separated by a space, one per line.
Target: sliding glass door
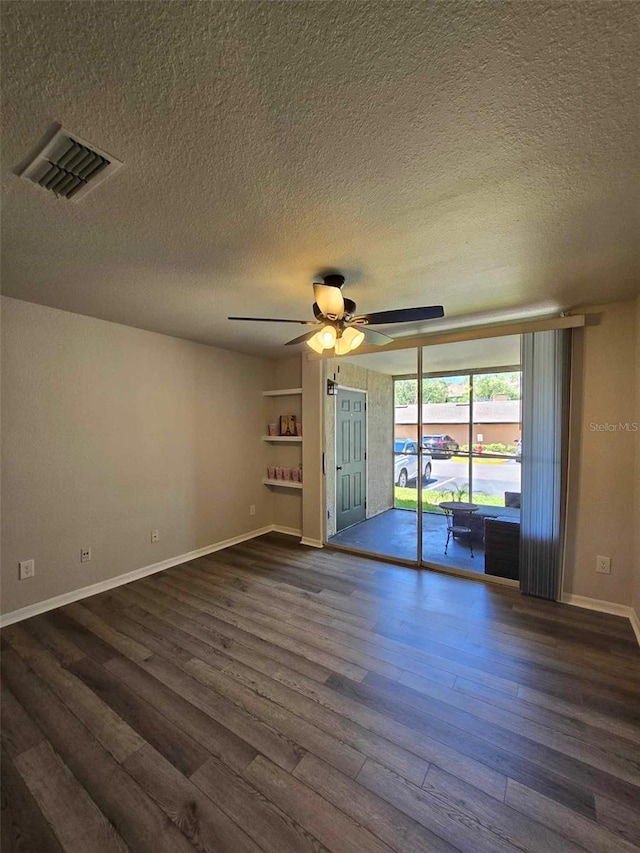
pixel 442 438
pixel 470 430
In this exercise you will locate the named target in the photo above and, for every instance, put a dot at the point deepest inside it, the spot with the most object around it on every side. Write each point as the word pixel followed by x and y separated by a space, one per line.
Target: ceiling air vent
pixel 69 166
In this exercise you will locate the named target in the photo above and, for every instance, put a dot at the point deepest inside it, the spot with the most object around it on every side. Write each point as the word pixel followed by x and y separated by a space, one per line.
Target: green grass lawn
pixel 407 499
pixel 487 460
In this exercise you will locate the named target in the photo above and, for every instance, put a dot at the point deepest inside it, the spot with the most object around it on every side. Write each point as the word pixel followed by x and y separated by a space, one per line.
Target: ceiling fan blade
pixel 301 339
pixel 330 300
pixel 274 320
pixel 373 337
pixel 402 315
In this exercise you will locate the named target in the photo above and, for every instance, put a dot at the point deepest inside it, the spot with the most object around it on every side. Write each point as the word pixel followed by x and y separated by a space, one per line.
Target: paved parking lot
pixel 490 476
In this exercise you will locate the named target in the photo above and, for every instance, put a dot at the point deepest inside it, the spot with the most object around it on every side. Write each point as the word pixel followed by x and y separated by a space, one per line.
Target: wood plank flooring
pixel 276 698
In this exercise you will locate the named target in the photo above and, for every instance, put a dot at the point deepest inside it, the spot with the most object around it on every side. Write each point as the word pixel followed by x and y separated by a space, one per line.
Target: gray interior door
pixel 351 455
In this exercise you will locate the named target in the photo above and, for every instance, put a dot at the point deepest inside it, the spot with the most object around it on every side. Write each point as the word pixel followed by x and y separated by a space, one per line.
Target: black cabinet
pixel 502 547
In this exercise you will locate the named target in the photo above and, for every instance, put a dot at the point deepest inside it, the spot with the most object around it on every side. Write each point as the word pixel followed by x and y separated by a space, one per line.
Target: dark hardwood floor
pixel 277 698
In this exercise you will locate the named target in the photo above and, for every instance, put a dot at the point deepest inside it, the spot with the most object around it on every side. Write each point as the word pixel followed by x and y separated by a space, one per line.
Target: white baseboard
pixel 312 543
pixel 604 607
pixel 596 604
pixel 635 624
pixel 136 574
pixel 288 531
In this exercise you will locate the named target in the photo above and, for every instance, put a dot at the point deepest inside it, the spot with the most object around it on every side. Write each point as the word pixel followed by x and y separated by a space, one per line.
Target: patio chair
pixel 458 524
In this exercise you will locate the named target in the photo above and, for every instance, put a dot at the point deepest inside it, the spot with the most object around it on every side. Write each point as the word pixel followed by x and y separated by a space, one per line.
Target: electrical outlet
pixel 155 535
pixel 252 509
pixel 27 569
pixel 603 565
pixel 85 555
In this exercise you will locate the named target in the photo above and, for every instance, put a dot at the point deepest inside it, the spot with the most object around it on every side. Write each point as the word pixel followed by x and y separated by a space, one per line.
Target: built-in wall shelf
pixel 285 484
pixel 282 392
pixel 292 457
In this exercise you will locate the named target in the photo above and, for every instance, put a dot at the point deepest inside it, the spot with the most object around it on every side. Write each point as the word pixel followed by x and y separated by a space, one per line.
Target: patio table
pixel 458 506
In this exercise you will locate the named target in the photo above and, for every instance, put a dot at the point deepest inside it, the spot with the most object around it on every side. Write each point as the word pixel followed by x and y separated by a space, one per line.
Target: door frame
pixel 339 388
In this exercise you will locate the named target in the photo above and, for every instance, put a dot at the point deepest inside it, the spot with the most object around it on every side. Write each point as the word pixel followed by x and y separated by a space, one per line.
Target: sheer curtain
pixel 545 405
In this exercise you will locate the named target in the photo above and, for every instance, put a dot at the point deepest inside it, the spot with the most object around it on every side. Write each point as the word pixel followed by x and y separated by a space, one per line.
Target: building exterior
pixel 495 421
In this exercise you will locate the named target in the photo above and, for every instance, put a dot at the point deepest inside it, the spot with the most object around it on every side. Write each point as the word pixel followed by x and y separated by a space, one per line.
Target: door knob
pixel 338 467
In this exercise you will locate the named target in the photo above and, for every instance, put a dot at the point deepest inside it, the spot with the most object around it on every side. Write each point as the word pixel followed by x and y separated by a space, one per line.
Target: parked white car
pixel 406 462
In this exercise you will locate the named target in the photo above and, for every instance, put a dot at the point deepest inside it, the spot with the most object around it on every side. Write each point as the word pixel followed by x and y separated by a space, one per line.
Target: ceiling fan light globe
pixel 315 343
pixel 355 338
pixel 342 346
pixel 327 336
pixel 349 340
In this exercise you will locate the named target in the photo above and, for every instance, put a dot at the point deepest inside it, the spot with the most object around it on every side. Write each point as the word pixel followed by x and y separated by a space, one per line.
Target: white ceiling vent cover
pixel 70 167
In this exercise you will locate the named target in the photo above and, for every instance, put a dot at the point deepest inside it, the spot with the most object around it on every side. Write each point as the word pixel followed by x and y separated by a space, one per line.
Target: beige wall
pixel 379 388
pixel 602 499
pixel 109 432
pixel 313 508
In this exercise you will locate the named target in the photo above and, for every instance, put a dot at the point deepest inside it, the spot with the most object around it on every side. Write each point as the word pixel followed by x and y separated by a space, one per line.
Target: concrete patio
pixel 394 534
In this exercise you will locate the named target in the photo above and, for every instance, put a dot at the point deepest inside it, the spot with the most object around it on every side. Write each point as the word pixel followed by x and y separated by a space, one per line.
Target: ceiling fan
pixel 340 328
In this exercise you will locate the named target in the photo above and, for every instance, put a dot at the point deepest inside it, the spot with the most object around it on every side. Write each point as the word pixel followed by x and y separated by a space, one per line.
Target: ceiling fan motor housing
pixel 333 280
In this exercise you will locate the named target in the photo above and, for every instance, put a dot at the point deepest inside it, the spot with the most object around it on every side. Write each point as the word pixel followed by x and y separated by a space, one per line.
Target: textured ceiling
pixel 479 155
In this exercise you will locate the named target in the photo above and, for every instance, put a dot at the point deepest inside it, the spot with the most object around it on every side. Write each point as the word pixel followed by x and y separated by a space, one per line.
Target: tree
pixel 490 385
pixel 458 392
pixel 434 391
pixel 486 386
pixel 406 392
